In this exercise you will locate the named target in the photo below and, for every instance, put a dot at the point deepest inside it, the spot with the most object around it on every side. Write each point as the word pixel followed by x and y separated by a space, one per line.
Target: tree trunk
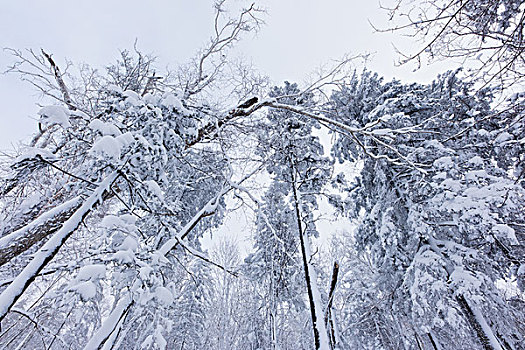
pixel 320 335
pixel 328 318
pixel 484 334
pixel 434 342
pixel 474 317
pixel 20 240
pixel 111 324
pixel 48 251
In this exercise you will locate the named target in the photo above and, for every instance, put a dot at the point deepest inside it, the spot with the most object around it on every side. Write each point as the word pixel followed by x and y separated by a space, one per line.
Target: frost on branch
pixel 103 214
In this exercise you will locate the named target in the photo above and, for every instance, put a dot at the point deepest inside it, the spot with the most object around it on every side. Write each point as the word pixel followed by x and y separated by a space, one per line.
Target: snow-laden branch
pixel 58 77
pixel 12 243
pixel 113 322
pixel 205 211
pixel 11 294
pixel 110 324
pixel 200 255
pixel 366 131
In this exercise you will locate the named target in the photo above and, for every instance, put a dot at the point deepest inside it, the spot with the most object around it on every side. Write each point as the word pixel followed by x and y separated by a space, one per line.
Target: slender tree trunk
pixel 328 318
pixel 433 341
pixel 479 325
pixel 273 309
pixel 474 317
pixel 320 334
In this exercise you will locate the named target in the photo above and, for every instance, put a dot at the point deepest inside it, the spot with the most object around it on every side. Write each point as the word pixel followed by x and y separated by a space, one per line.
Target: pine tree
pixel 432 207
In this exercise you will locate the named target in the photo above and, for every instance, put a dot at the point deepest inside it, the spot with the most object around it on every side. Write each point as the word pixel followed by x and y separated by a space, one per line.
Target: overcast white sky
pixel 300 35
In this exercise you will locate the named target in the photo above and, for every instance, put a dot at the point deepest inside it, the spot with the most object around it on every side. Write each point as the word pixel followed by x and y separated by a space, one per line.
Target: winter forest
pixel 110 212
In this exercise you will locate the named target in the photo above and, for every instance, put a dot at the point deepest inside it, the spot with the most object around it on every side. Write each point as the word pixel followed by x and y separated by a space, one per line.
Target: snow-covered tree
pixel 299 171
pixel 436 213
pixel 488 35
pixel 102 214
pixel 122 171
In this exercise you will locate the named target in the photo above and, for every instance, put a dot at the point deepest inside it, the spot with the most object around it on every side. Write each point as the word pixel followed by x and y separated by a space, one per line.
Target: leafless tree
pixel 489 35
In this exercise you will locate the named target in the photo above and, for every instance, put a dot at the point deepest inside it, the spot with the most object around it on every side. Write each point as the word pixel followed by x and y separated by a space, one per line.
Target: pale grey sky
pixel 300 35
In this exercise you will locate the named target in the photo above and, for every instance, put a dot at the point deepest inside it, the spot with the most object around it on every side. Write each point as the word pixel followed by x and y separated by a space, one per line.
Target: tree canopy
pixel 104 211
